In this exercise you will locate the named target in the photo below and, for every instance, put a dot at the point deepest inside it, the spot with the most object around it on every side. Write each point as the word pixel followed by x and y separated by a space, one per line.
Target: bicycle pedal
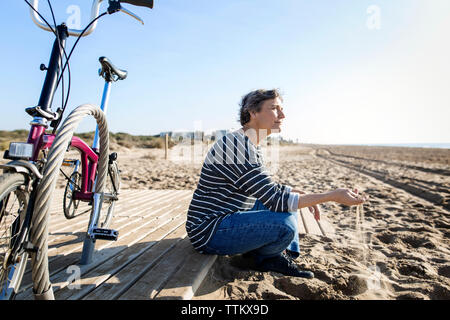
pixel 69 163
pixel 110 197
pixel 105 234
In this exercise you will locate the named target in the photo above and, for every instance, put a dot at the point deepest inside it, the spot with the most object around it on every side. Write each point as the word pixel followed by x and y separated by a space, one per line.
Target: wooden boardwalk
pixel 152 259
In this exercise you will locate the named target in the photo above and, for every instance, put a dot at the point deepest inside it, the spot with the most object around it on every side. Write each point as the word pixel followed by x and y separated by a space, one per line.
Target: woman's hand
pixel 315 210
pixel 348 197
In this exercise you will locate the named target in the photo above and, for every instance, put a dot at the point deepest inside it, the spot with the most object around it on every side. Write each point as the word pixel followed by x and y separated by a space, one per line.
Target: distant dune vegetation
pixel 116 139
pixel 120 139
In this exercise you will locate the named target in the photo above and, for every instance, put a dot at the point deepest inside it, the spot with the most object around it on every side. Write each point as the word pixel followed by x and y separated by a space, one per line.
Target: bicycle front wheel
pixel 13 208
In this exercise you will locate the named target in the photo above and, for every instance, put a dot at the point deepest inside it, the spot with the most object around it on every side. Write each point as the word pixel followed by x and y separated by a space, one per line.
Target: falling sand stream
pixel 362 238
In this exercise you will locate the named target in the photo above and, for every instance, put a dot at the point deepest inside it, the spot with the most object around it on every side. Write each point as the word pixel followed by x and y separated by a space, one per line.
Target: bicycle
pixel 23 174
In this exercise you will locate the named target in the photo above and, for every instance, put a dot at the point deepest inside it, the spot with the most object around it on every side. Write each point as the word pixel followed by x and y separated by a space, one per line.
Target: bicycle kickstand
pixel 94 232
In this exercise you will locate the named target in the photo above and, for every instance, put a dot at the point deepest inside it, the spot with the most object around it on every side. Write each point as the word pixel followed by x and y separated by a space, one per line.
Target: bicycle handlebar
pixel 73 32
pixel 142 3
pixel 94 14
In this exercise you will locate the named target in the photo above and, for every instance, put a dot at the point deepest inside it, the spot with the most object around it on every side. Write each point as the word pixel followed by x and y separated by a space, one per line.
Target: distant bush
pixel 12 136
pixel 280 141
pixel 87 137
pixel 149 142
pixel 4 145
pixel 122 139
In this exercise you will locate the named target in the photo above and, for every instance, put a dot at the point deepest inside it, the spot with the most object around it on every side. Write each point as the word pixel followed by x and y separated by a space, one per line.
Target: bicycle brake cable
pixel 63 104
pixel 64 51
pixel 78 38
pixel 66 56
pixel 61 62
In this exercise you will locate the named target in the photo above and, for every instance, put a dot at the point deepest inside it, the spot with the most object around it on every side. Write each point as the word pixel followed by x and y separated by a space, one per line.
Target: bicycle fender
pixel 21 166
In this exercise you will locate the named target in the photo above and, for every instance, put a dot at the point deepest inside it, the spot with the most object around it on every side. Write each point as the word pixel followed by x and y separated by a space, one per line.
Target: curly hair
pixel 252 101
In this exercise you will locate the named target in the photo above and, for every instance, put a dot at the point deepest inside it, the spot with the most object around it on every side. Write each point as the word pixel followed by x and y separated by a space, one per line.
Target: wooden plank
pixel 326 228
pixel 59 279
pixel 69 245
pixel 131 224
pixel 133 213
pixel 301 226
pixel 154 279
pixel 128 276
pixel 126 200
pixel 56 208
pixel 111 267
pixel 185 282
pixel 60 223
pixel 107 250
pixel 309 222
pixel 138 197
pixel 75 250
pixel 59 233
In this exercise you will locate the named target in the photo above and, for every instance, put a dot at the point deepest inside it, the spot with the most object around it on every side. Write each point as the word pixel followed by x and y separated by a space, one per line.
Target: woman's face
pixel 270 117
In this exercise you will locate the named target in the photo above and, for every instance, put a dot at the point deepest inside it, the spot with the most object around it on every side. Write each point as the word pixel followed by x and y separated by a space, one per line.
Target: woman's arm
pixel 342 196
pixel 315 209
pixel 310 200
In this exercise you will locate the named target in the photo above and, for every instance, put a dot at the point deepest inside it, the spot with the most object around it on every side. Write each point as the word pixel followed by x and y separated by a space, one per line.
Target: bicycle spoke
pixel 13 203
pixel 10 220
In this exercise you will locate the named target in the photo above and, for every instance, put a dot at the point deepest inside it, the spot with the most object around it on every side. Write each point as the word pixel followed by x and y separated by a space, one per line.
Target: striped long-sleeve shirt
pixel 233 176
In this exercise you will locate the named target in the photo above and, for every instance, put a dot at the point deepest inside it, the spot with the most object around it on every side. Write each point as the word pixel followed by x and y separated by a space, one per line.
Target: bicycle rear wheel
pixel 13 208
pixel 70 205
pixel 112 188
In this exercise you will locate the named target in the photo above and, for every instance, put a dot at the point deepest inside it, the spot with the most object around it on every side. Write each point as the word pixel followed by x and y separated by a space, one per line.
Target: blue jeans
pixel 259 231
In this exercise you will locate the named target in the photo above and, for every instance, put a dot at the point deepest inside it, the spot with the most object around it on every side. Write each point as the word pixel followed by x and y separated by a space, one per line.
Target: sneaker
pixel 284 265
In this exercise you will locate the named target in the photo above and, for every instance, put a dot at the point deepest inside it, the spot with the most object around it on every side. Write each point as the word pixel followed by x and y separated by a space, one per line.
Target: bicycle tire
pixel 70 205
pixel 112 187
pixel 12 264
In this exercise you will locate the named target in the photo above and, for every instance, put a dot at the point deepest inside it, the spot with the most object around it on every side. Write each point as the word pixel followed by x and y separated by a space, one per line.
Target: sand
pixel 406 223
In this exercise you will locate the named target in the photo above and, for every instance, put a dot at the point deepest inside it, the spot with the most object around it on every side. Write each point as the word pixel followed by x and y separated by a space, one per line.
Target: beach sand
pixel 405 253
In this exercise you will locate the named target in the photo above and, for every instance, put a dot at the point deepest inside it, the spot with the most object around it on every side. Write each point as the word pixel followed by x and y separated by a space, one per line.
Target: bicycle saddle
pixel 108 70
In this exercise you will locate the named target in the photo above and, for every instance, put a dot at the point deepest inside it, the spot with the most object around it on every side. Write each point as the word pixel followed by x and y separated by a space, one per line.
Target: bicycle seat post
pixel 104 107
pixel 110 73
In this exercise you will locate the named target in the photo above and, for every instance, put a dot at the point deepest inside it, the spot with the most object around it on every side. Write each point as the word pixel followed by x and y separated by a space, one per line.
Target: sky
pixel 350 71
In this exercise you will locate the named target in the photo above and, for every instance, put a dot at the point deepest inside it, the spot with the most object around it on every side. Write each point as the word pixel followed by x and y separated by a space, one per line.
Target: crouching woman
pixel 238 209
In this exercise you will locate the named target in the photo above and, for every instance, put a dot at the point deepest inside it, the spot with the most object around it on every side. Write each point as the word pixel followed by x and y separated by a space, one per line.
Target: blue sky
pixel 343 80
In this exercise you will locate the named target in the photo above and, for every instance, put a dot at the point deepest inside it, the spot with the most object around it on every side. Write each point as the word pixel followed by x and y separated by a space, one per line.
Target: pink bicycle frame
pixel 89 159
